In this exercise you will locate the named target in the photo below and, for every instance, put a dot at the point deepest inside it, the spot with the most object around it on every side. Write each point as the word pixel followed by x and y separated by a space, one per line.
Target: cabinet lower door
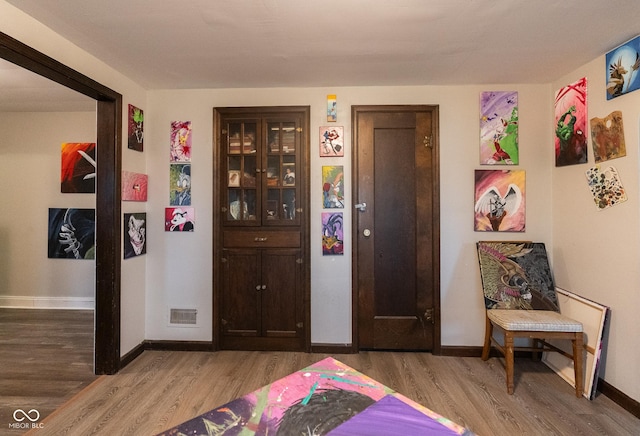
pixel 262 300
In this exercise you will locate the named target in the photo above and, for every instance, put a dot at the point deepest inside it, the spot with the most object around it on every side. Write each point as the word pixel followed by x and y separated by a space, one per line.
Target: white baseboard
pixel 26 302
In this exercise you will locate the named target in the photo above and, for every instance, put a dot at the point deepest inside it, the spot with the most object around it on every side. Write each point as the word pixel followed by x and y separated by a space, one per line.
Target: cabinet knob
pixel 260 239
pixel 257 287
pixel 263 287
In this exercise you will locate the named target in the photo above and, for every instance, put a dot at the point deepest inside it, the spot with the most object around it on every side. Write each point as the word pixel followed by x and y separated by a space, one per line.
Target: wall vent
pixel 183 317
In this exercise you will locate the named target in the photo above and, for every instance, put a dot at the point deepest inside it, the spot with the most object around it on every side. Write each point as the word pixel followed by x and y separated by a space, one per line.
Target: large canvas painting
pixel 499 128
pixel 135 234
pixel 327 398
pixel 134 186
pixel 180 148
pixel 571 124
pixel 499 201
pixel 516 275
pixel 71 233
pixel 607 137
pixel 593 317
pixel 622 65
pixel 135 128
pixel 333 187
pixel 78 167
pixel 332 234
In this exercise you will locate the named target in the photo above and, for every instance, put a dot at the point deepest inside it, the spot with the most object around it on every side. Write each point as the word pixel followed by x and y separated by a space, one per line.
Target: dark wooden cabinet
pixel 261 259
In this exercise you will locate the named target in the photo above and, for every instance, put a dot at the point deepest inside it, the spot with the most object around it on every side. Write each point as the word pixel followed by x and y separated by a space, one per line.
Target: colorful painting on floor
pixel 72 233
pixel 135 234
pixel 331 141
pixel 332 234
pixel 179 219
pixel 180 184
pixel 516 275
pixel 333 187
pixel 622 65
pixel 499 201
pixel 134 186
pixel 78 167
pixel 180 149
pixel 607 137
pixel 606 187
pixel 499 128
pixel 571 124
pixel 327 398
pixel 135 128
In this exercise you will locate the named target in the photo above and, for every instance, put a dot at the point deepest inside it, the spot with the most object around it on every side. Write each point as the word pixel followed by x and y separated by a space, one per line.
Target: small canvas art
pixel 179 219
pixel 72 233
pixel 607 137
pixel 134 186
pixel 78 167
pixel 499 128
pixel 135 129
pixel 622 64
pixel 332 108
pixel 571 124
pixel 135 234
pixel 333 187
pixel 180 185
pixel 331 141
pixel 516 275
pixel 499 201
pixel 332 234
pixel 606 187
pixel 180 147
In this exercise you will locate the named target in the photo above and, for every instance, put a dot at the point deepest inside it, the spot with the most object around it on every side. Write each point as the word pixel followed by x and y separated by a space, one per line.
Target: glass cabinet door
pixel 281 161
pixel 242 202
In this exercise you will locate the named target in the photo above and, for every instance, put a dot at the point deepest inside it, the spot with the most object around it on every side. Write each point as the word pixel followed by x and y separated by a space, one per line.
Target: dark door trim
pixel 108 222
pixel 435 219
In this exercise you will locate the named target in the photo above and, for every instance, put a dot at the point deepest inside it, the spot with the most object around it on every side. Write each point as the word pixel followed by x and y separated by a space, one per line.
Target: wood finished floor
pixel 161 389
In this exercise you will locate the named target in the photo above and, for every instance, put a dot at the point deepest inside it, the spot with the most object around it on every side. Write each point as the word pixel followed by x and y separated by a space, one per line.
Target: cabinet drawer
pixel 261 238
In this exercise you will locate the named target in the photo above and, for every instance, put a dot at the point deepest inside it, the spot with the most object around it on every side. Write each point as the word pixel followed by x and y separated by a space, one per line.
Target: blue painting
pixel 622 64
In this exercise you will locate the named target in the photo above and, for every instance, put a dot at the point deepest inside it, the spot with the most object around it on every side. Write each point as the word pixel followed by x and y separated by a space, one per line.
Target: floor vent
pixel 183 316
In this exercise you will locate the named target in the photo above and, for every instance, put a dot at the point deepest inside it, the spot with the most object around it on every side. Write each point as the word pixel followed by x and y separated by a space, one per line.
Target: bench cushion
pixel 537 320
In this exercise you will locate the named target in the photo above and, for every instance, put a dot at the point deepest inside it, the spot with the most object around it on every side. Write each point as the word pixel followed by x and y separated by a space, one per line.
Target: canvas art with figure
pixel 499 128
pixel 180 141
pixel 499 201
pixel 622 65
pixel 78 167
pixel 571 124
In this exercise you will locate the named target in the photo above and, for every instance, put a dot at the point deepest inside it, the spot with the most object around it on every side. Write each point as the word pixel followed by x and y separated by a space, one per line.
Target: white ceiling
pixel 178 44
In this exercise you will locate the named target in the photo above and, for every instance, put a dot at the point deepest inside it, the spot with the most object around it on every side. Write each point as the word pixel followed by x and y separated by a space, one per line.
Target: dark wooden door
pixel 396 227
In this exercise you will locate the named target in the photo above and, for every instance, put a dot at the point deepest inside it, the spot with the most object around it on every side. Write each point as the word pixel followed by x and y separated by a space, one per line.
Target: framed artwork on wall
pixel 71 233
pixel 135 128
pixel 331 141
pixel 179 219
pixel 499 201
pixel 135 234
pixel 134 186
pixel 78 167
pixel 499 128
pixel 333 187
pixel 571 124
pixel 332 234
pixel 607 137
pixel 180 148
pixel 622 65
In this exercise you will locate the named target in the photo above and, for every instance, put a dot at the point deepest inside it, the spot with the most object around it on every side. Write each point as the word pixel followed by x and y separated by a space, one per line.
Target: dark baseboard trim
pixel 164 346
pixel 333 348
pixel 620 398
pixel 131 355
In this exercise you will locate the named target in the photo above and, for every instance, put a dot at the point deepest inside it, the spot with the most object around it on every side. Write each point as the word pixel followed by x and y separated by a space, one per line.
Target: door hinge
pixel 224 260
pixel 300 325
pixel 299 261
pixel 223 209
pixel 299 129
pixel 223 321
pixel 429 315
pixel 224 131
pixel 427 141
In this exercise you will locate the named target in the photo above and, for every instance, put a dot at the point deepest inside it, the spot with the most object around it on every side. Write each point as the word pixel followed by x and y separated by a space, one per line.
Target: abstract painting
pixel 179 219
pixel 332 234
pixel 516 275
pixel 72 233
pixel 594 317
pixel 622 64
pixel 134 186
pixel 135 234
pixel 78 167
pixel 607 137
pixel 571 124
pixel 180 148
pixel 135 128
pixel 331 141
pixel 326 398
pixel 499 128
pixel 606 187
pixel 499 201
pixel 333 187
pixel 180 184
pixel 332 108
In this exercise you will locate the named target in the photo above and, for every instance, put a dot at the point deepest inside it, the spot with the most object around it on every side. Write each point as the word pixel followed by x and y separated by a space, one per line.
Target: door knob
pixel 366 233
pixel 361 207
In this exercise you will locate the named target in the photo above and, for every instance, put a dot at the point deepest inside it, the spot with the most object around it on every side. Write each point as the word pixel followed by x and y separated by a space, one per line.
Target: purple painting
pixel 332 234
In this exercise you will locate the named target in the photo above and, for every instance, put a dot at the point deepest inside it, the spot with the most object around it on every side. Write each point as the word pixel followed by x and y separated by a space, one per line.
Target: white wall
pixel 30 166
pixel 25 29
pixel 596 253
pixel 179 268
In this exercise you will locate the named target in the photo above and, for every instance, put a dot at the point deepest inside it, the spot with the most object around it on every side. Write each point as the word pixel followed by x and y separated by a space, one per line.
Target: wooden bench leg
pixel 577 362
pixel 508 357
pixel 488 333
